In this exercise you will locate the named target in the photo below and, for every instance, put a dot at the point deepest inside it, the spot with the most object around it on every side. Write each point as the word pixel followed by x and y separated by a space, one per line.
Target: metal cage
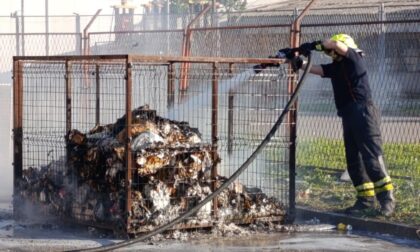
pixel 114 142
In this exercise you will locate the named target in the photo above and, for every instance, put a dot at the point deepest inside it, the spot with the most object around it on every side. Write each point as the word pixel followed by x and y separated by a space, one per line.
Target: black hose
pixel 232 178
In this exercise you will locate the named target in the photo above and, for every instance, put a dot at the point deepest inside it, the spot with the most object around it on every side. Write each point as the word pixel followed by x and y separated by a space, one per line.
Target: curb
pixel 361 224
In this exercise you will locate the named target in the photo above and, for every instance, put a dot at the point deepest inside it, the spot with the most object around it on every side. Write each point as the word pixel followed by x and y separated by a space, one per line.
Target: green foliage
pixel 402 159
pixel 321 189
pixel 321 152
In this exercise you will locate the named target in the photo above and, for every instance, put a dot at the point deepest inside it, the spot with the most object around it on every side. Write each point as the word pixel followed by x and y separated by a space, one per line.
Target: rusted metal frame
pixel 17 127
pixel 186 48
pixel 98 96
pixel 128 153
pixel 186 51
pixel 85 33
pixel 292 116
pixel 153 59
pixel 230 123
pixel 174 59
pixel 68 103
pixel 120 57
pixel 171 86
pixel 214 122
pixel 236 220
pixel 230 116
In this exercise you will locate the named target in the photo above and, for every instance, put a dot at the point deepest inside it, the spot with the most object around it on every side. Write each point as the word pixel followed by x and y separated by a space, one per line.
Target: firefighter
pixel 360 120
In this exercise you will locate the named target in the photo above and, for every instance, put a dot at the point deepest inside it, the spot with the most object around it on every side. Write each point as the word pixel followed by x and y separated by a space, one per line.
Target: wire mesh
pixel 392 61
pixel 75 164
pixel 388 35
pixel 35 44
pixel 250 42
pixel 342 15
pixel 261 18
pixel 165 42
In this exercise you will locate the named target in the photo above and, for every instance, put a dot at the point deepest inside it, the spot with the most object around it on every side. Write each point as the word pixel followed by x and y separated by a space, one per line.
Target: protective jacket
pixel 361 124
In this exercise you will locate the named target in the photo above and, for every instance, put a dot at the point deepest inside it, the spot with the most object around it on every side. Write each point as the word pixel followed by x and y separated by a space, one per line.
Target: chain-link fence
pixel 391 42
pixel 389 36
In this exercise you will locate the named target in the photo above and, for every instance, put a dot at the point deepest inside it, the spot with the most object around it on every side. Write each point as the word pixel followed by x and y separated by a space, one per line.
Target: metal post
pixel 17 128
pixel 381 50
pixel 214 138
pixel 168 40
pixel 78 42
pixel 292 116
pixel 86 45
pixel 230 123
pixel 230 116
pixel 98 95
pixel 171 86
pixel 68 96
pixel 15 15
pixel 68 80
pixel 186 48
pixel 47 40
pixel 128 120
pixel 22 11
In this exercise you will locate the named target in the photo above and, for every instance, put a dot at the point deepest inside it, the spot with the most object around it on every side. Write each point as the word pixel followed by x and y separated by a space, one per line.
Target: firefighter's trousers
pixel 363 145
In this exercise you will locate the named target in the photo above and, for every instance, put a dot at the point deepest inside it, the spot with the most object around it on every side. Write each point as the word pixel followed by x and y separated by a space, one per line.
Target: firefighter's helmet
pixel 345 39
pixel 348 41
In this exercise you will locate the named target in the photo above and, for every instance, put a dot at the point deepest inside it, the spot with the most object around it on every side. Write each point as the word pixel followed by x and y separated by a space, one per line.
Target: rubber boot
pixel 361 204
pixel 387 201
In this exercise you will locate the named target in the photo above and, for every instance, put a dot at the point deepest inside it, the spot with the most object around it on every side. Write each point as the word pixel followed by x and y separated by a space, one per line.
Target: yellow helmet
pixel 345 39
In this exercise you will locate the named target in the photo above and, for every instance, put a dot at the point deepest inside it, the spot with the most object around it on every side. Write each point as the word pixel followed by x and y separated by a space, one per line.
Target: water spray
pixel 235 175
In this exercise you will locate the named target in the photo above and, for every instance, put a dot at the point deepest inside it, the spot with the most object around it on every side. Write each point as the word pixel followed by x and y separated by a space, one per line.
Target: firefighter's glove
pixel 258 68
pixel 306 48
pixel 296 63
pixel 285 53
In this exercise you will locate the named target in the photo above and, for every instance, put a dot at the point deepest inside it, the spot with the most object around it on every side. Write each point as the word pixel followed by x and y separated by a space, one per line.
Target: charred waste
pixel 171 173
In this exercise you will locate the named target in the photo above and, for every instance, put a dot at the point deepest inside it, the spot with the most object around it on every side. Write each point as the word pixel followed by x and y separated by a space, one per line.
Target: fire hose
pixel 231 179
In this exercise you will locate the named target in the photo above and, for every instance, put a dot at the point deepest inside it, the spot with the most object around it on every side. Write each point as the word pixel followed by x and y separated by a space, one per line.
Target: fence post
pixel 171 86
pixel 68 101
pixel 47 30
pixel 292 116
pixel 214 121
pixel 15 15
pixel 98 96
pixel 78 41
pixel 381 43
pixel 186 48
pixel 230 123
pixel 23 26
pixel 128 120
pixel 17 128
pixel 86 44
pixel 231 99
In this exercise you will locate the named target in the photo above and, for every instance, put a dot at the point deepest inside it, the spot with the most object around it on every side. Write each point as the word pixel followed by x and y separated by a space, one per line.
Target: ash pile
pixel 171 173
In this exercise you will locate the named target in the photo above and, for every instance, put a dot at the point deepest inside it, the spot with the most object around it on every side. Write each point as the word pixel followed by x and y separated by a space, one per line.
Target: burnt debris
pixel 171 172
